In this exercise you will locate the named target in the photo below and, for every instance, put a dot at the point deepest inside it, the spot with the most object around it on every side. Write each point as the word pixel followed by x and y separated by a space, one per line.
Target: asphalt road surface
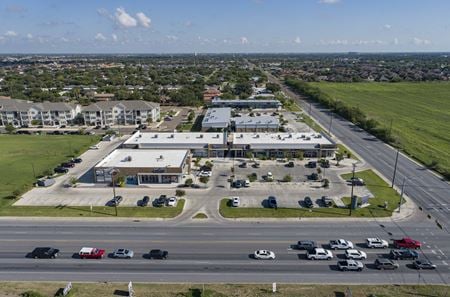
pixel 210 252
pixel 427 189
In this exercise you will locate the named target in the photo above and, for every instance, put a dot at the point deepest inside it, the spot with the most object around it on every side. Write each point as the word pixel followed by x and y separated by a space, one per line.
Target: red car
pixel 91 253
pixel 408 243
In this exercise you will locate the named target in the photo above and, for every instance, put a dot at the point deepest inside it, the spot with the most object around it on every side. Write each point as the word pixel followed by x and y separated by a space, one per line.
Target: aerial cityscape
pixel 224 148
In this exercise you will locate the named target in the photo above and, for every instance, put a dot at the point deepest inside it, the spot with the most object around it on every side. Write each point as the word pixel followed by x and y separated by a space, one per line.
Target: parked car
pixel 172 201
pixel 341 244
pixel 408 243
pixel 327 201
pixel 313 176
pixel 264 255
pixel 123 254
pixel 376 243
pixel 116 201
pixel 77 160
pixel 94 147
pixel 145 201
pixel 68 164
pixel 311 164
pixel 423 264
pixel 160 201
pixel 269 176
pixel 246 183
pixel 61 170
pixel 290 164
pixel 158 254
pixel 308 202
pixel 235 201
pixel 204 174
pixel 382 264
pixel 91 253
pixel 350 265
pixel 357 181
pixel 319 254
pixel 256 165
pixel 355 254
pixel 403 254
pixel 272 202
pixel 306 244
pixel 44 252
pixel 237 184
pixel 243 165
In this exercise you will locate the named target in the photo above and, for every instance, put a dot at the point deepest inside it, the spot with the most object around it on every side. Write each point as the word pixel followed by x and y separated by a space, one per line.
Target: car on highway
pixel 423 264
pixel 376 242
pixel 61 170
pixel 44 253
pixel 306 244
pixel 307 202
pixel 408 243
pixel 158 254
pixel 91 253
pixel 235 201
pixel 123 254
pixel 350 265
pixel 264 255
pixel 172 201
pixel 145 201
pixel 319 254
pixel 403 254
pixel 116 201
pixel 383 263
pixel 355 254
pixel 341 244
pixel 160 201
pixel 272 202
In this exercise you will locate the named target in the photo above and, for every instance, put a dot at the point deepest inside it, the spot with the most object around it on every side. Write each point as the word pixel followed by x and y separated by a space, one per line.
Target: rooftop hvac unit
pixel 128 159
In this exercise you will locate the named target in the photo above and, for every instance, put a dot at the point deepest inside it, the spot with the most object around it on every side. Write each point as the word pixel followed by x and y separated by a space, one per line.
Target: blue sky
pixel 187 26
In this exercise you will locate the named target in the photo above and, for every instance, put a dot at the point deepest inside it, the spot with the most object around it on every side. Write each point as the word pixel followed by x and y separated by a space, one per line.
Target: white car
pixel 355 254
pixel 205 173
pixel 319 254
pixel 269 176
pixel 235 201
pixel 341 244
pixel 94 147
pixel 264 255
pixel 172 201
pixel 377 243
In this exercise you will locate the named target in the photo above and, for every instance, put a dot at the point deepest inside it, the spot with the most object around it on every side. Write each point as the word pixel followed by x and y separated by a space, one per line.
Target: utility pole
pixel 353 184
pixel 113 175
pixel 405 179
pixel 395 168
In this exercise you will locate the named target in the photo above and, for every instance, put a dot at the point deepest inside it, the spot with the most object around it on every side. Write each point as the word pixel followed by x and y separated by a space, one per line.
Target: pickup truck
pixel 341 244
pixel 319 254
pixel 347 265
pixel 408 243
pixel 91 253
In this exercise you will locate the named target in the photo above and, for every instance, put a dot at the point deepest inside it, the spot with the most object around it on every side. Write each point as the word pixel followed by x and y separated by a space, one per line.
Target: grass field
pixel 420 114
pixel 379 188
pixel 20 153
pixel 15 289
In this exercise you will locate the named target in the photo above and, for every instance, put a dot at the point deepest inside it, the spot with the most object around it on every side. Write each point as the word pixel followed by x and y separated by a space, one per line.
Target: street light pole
pixel 405 179
pixel 395 168
pixel 353 184
pixel 113 175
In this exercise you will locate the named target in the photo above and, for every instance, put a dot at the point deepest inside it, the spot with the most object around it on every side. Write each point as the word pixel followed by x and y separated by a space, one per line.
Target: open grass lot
pixel 20 153
pixel 15 289
pixel 379 188
pixel 420 113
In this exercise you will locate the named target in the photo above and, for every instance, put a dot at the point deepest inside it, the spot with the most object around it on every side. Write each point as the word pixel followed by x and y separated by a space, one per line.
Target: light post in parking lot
pixel 405 180
pixel 114 172
pixel 353 184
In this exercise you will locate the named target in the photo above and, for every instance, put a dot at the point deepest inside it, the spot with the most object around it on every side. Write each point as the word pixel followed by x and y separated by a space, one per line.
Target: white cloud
pixel 10 33
pixel 395 41
pixel 124 19
pixel 329 1
pixel 172 37
pixel 297 40
pixel 334 42
pixel 143 20
pixel 64 39
pixel 30 36
pixel 104 12
pixel 387 26
pixel 367 42
pixel 419 41
pixel 188 24
pixel 100 37
pixel 114 37
pixel 244 40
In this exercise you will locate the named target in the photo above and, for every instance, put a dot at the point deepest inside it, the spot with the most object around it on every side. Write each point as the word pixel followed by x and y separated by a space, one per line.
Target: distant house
pixel 211 93
pixel 103 97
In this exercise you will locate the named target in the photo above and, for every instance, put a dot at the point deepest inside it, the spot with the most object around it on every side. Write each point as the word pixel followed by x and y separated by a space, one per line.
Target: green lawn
pixel 20 153
pixel 374 183
pixel 420 114
pixel 311 123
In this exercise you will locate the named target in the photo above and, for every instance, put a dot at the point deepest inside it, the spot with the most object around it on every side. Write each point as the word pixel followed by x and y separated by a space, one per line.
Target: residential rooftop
pixel 125 158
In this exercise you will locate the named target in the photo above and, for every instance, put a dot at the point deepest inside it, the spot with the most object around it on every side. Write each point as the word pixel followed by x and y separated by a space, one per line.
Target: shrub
pixel 287 178
pixel 252 177
pixel 31 294
pixel 180 193
pixel 188 182
pixel 204 179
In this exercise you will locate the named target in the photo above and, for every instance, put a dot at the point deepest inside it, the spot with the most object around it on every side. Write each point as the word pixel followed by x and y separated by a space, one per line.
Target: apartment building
pixel 21 113
pixel 125 112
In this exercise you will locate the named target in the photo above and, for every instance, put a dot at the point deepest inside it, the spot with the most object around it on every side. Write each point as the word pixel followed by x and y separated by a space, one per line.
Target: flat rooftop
pixel 126 158
pixel 281 140
pixel 170 139
pixel 244 101
pixel 255 121
pixel 217 117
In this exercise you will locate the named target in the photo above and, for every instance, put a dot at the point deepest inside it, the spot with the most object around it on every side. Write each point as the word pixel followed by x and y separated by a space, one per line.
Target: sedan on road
pixel 123 254
pixel 355 254
pixel 44 252
pixel 382 264
pixel 423 264
pixel 264 255
pixel 158 254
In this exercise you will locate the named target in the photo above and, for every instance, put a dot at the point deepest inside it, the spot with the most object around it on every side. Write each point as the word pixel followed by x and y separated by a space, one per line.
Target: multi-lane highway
pixel 424 187
pixel 200 252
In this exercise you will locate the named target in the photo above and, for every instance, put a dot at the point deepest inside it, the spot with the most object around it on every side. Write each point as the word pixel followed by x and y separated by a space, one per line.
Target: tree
pixel 204 179
pixel 273 87
pixel 188 182
pixel 339 158
pixel 10 129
